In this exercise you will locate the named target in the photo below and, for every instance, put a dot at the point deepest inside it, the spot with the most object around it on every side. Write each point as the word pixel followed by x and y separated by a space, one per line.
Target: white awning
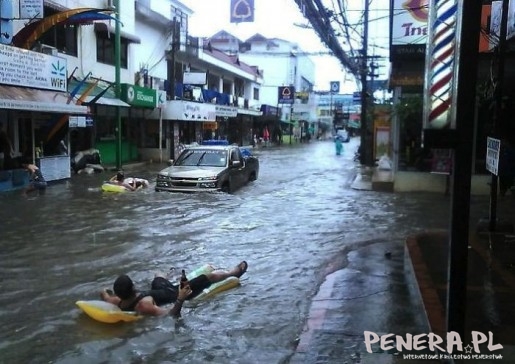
pixel 31 99
pixel 108 101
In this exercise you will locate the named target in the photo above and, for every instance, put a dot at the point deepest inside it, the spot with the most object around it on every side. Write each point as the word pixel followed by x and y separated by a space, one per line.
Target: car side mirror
pixel 170 162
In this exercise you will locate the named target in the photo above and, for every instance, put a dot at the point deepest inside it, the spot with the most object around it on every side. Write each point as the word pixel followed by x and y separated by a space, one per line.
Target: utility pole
pixel 117 65
pixel 366 145
pixel 176 31
pixel 498 110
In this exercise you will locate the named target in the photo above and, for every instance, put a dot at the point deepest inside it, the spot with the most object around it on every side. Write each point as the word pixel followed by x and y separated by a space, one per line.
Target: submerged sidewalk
pixel 400 288
pixel 395 288
pixel 372 293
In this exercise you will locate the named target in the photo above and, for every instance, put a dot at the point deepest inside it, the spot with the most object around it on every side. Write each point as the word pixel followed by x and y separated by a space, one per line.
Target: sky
pixel 278 19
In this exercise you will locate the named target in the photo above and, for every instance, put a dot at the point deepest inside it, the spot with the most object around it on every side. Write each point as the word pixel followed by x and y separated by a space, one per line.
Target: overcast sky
pixel 273 19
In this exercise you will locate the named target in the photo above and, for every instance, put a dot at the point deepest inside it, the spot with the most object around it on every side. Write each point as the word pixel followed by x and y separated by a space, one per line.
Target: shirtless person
pixel 119 180
pixel 163 292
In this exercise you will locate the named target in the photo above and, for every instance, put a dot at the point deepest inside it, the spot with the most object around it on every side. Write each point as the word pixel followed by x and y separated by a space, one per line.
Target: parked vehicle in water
pixel 209 168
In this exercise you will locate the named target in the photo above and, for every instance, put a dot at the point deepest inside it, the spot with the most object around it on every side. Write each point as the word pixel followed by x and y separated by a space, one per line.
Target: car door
pixel 237 173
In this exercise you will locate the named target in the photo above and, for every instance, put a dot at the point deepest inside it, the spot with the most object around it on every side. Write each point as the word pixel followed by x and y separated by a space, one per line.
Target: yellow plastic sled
pixel 108 313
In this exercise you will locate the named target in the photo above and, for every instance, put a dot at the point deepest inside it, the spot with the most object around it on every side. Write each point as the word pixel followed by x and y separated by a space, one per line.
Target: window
pixel 256 93
pixel 61 36
pixel 105 49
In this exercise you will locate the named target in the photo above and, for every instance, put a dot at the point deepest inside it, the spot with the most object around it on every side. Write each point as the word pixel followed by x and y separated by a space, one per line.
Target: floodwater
pixel 299 216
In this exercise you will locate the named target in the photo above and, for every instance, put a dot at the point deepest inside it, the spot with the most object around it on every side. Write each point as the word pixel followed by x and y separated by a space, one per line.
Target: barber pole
pixel 440 63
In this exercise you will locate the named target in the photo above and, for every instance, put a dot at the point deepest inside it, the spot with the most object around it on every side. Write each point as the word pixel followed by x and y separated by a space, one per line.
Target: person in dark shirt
pixel 163 292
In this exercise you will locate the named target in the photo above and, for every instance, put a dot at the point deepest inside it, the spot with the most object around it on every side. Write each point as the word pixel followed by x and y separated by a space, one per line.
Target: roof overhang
pixel 31 99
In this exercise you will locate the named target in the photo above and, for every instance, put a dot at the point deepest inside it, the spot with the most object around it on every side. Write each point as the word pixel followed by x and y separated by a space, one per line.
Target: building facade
pixel 136 104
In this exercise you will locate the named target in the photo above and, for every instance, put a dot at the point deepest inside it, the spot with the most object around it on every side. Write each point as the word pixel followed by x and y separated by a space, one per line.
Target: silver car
pixel 208 168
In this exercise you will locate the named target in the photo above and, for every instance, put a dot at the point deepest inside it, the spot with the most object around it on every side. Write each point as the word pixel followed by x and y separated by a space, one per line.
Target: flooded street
pixel 299 217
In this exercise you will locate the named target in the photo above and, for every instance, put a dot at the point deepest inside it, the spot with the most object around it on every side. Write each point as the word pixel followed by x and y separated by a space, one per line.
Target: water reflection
pixel 67 244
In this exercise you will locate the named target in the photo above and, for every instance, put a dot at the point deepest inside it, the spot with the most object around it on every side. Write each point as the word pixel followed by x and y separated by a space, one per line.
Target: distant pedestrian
pixel 339 145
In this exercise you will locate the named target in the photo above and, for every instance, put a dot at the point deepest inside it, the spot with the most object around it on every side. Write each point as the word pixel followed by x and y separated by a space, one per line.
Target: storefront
pixel 183 123
pixel 99 133
pixel 270 120
pixel 225 126
pixel 144 137
pixel 34 118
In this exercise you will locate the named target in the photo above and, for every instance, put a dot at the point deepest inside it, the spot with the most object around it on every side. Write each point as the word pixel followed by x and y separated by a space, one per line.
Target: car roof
pixel 211 147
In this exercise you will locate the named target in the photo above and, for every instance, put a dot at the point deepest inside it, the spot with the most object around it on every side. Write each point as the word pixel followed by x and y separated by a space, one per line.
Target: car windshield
pixel 202 157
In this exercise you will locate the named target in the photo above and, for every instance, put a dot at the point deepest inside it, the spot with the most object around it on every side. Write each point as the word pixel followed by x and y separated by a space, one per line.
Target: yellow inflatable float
pixel 111 186
pixel 108 313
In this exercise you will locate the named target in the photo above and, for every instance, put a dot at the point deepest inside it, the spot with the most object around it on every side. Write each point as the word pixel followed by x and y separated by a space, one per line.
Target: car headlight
pixel 210 178
pixel 162 176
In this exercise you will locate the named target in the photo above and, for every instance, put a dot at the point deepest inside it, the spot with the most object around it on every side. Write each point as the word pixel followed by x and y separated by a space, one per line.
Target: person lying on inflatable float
pixel 163 292
pixel 119 180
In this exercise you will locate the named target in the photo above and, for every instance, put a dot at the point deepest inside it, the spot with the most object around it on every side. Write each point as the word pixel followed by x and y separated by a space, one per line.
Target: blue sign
pixel 242 11
pixel 356 96
pixel 335 86
pixel 286 95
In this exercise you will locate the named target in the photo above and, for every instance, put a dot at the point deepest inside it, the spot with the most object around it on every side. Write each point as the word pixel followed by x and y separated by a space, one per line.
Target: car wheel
pixel 252 177
pixel 226 187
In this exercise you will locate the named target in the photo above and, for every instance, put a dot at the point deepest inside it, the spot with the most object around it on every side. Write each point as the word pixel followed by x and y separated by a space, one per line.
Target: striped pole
pixel 440 63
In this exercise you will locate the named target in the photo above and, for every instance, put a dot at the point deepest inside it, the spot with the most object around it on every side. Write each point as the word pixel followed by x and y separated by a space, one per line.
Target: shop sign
pixel 138 96
pixel 41 106
pixel 286 95
pixel 409 23
pixel 21 67
pixel 226 111
pixel 189 111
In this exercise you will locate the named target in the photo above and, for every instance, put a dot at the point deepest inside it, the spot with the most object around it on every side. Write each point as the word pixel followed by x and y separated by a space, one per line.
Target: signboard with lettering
pixel 493 150
pixel 31 9
pixel 226 111
pixel 189 111
pixel 21 67
pixel 409 28
pixel 138 96
pixel 22 9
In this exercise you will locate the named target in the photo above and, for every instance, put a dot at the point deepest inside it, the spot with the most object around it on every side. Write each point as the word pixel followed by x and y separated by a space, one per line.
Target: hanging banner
pixel 242 11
